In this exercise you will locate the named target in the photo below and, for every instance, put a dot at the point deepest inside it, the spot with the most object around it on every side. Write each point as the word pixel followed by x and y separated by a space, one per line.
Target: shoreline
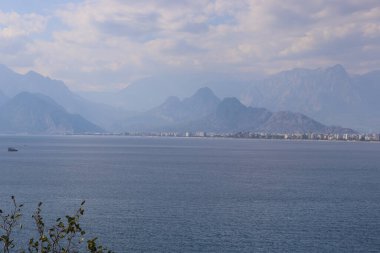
pixel 229 137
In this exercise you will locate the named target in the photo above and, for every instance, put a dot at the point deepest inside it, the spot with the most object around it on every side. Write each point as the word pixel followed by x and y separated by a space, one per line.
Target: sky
pixel 104 45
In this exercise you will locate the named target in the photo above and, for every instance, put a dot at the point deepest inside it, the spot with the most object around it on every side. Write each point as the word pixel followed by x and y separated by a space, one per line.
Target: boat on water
pixel 12 149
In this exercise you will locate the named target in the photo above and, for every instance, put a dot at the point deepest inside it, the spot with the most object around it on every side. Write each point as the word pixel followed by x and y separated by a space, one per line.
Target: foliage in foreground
pixel 65 236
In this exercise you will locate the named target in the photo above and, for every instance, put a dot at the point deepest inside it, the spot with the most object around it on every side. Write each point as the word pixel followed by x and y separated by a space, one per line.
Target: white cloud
pixel 107 42
pixel 13 24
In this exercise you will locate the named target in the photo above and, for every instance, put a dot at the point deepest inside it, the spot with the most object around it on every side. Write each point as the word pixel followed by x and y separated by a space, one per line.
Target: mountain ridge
pixel 174 111
pixel 329 94
pixel 12 83
pixel 228 115
pixel 3 98
pixel 35 113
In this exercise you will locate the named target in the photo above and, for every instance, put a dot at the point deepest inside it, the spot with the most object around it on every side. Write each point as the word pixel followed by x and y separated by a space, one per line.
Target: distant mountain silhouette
pixel 329 95
pixel 174 111
pixel 3 98
pixel 232 116
pixel 147 93
pixel 202 103
pixel 39 114
pixel 12 83
pixel 205 112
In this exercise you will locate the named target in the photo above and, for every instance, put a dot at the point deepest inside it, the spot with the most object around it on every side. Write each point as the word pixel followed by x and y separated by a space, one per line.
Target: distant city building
pixel 200 134
pixel 263 135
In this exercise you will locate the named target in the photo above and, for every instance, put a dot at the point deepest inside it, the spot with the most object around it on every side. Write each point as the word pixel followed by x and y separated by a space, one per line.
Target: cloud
pixel 117 40
pixel 141 28
pixel 13 24
pixel 195 28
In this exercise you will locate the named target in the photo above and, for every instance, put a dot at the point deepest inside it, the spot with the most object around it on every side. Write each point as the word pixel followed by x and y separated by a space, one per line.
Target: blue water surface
pixel 201 195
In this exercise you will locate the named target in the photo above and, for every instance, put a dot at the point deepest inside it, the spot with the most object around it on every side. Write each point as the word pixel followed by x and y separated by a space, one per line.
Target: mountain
pixel 329 95
pixel 39 114
pixel 149 92
pixel 12 83
pixel 202 103
pixel 368 87
pixel 205 112
pixel 285 121
pixel 174 111
pixel 3 98
pixel 232 116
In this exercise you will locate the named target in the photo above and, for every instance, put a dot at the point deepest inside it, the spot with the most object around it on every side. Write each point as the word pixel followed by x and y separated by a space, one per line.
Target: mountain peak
pixel 232 101
pixel 204 92
pixel 230 106
pixel 5 69
pixel 337 69
pixel 36 113
pixel 201 96
pixel 34 75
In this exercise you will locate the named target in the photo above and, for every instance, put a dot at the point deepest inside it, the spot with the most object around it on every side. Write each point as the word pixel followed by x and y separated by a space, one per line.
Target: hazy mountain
pixel 286 121
pixel 232 116
pixel 368 87
pixel 12 83
pixel 202 103
pixel 174 111
pixel 205 112
pixel 147 93
pixel 3 98
pixel 329 95
pixel 39 114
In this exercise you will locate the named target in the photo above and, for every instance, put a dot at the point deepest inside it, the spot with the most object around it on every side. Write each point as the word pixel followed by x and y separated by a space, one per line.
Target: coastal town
pixel 257 135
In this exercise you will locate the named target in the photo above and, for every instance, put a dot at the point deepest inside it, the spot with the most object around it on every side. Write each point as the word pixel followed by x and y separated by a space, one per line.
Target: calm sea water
pixel 202 195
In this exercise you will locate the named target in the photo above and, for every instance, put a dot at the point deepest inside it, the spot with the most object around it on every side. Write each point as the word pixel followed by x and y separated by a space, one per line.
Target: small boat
pixel 12 149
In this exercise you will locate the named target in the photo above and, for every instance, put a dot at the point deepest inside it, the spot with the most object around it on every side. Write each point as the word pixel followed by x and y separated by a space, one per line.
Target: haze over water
pixel 202 195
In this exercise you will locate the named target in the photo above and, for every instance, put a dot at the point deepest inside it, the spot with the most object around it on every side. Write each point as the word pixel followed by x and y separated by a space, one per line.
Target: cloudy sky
pixel 107 44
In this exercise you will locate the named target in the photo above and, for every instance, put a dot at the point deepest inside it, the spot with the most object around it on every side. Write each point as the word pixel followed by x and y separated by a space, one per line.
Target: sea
pixel 156 194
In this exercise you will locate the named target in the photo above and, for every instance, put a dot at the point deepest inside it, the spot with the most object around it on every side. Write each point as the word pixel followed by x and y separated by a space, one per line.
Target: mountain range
pixel 149 92
pixel 12 83
pixel 3 98
pixel 329 95
pixel 39 114
pixel 294 100
pixel 173 111
pixel 204 111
